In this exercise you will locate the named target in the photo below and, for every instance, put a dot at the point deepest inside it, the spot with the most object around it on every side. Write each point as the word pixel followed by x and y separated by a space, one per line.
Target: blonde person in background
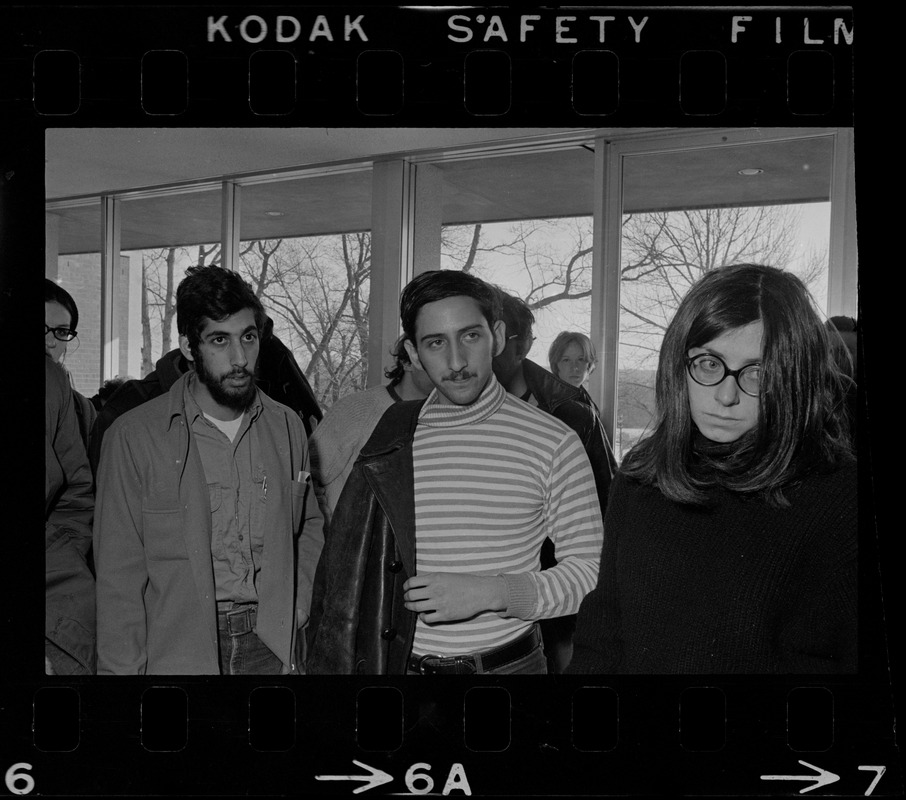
pixel 572 357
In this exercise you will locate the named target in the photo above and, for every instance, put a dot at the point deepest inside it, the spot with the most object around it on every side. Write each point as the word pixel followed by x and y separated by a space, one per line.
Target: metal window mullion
pixel 110 254
pixel 392 236
pixel 842 256
pixel 605 305
pixel 231 205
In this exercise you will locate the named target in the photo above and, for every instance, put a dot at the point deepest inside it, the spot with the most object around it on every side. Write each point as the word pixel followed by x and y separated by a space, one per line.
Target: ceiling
pixel 547 182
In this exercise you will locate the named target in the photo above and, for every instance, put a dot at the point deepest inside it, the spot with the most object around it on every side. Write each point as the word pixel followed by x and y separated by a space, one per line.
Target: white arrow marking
pixel 376 778
pixel 823 778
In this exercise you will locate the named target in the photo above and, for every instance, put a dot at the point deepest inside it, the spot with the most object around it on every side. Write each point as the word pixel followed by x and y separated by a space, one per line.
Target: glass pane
pixel 78 271
pixel 313 272
pixel 523 222
pixel 161 237
pixel 546 262
pixel 666 248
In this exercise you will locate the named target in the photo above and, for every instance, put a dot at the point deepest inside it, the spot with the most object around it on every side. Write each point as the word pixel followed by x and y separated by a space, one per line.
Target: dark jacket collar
pixel 549 390
pixel 170 367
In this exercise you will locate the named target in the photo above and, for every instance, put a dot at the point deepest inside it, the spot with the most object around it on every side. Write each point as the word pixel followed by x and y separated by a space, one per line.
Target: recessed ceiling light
pixel 275 213
pixel 750 171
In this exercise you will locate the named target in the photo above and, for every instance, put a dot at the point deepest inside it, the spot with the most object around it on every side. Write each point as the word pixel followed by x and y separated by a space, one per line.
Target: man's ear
pixel 413 353
pixel 184 347
pixel 499 334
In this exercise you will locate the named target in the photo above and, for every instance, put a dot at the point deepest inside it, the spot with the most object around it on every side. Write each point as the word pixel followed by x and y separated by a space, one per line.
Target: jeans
pixel 241 651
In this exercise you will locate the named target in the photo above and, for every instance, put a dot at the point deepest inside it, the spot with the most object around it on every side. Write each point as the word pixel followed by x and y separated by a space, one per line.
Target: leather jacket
pixel 368 555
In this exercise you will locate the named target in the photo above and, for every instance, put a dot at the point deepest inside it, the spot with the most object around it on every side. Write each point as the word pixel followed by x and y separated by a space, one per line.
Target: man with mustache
pixel 206 534
pixel 431 564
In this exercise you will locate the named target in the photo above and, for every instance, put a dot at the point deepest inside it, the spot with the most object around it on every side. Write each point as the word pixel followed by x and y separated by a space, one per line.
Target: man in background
pixel 572 405
pixel 336 442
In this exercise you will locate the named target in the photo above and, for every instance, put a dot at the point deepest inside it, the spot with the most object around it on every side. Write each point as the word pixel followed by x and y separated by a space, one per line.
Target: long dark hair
pixel 802 420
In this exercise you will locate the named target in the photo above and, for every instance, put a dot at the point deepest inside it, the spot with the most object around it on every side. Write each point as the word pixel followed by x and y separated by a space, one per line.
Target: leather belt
pixel 237 618
pixel 479 662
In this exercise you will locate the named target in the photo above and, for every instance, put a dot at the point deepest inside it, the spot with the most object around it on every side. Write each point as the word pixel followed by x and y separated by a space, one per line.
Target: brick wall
pixel 80 275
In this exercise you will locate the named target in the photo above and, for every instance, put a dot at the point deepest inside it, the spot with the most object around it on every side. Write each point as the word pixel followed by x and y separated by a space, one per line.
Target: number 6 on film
pixel 18 773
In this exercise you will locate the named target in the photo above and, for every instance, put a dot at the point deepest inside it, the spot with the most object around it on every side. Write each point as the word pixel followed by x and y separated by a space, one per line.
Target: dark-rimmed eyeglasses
pixel 61 334
pixel 520 336
pixel 707 369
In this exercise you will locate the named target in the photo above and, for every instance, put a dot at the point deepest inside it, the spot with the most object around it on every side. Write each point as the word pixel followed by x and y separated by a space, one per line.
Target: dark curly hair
pixel 213 293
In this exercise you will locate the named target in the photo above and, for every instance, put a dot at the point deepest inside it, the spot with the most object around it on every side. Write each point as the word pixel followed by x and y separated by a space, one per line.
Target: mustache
pixel 238 373
pixel 462 375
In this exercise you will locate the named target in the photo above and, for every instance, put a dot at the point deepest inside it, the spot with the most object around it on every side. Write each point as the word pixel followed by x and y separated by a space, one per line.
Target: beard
pixel 237 398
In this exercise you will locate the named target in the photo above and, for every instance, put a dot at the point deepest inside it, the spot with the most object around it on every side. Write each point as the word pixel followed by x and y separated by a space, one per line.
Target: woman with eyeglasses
pixel 61 321
pixel 730 532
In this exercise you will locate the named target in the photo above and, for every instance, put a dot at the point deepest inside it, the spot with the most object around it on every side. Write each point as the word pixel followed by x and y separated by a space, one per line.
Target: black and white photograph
pixel 395 354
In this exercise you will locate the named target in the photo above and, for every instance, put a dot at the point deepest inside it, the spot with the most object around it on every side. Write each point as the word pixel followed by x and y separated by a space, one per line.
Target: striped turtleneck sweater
pixel 492 480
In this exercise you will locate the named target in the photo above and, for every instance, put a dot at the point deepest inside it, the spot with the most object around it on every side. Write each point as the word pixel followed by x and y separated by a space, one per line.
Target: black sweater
pixel 738 587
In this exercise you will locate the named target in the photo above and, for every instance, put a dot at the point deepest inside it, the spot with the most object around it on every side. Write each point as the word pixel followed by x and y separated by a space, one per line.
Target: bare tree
pixel 158 300
pixel 162 270
pixel 663 254
pixel 316 289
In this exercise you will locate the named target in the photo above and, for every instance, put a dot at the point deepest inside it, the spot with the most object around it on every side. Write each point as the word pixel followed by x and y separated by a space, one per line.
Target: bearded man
pixel 206 534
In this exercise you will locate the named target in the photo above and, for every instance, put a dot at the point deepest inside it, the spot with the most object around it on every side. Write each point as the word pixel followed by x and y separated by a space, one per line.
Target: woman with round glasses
pixel 730 532
pixel 61 320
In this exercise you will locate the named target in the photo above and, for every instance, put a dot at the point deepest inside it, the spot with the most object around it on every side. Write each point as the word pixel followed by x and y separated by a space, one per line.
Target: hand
pixel 449 596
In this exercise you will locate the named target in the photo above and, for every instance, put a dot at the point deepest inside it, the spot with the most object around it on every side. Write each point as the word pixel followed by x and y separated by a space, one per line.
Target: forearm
pixel 553 592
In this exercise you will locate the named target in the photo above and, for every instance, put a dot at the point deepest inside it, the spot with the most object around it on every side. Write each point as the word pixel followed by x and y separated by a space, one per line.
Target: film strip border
pixel 518 737
pixel 405 65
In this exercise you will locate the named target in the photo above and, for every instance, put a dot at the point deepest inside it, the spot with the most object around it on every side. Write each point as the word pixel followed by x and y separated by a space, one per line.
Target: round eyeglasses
pixel 61 334
pixel 707 369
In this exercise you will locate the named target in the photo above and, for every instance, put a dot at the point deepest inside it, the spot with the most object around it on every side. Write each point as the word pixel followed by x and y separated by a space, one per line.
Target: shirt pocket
pixel 298 492
pixel 163 534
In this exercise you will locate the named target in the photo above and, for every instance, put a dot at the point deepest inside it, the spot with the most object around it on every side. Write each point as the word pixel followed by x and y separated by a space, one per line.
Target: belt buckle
pixel 244 614
pixel 421 663
pixel 468 661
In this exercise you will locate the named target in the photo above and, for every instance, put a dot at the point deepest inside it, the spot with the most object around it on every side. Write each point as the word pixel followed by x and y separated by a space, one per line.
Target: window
pixel 161 237
pixel 306 249
pixel 75 234
pixel 535 244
